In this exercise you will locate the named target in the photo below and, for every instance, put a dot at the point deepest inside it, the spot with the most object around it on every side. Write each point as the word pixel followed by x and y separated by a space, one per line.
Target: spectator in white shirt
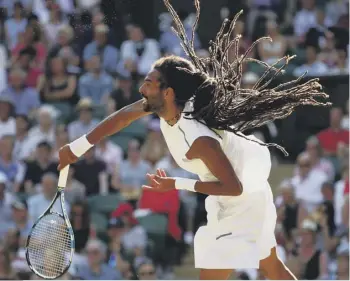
pixel 38 204
pixel 110 153
pixel 6 199
pixel 308 183
pixel 313 67
pixel 7 122
pixel 305 19
pixel 45 130
pixel 138 53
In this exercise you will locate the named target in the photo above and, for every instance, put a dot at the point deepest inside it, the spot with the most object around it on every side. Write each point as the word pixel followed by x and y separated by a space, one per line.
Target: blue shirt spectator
pixel 95 84
pixel 99 47
pixel 25 99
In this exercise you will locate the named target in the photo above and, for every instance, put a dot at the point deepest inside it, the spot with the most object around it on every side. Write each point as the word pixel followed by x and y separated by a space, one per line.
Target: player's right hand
pixel 66 157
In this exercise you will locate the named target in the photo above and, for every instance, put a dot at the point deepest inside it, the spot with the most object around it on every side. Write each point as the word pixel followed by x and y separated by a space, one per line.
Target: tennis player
pixel 202 111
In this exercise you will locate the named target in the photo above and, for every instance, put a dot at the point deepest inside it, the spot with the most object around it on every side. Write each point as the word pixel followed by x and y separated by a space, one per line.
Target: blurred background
pixel 66 64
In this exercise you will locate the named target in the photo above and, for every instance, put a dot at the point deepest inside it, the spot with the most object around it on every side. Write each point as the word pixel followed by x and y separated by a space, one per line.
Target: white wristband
pixel 185 184
pixel 80 146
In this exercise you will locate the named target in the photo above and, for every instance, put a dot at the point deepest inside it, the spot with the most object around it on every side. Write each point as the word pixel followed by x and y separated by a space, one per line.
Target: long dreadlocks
pixel 218 99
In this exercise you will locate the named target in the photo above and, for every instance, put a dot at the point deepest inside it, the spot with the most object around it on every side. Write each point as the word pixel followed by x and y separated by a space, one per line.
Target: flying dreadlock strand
pixel 230 107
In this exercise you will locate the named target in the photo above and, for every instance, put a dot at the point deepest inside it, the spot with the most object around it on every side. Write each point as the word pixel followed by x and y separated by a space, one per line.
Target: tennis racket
pixel 50 244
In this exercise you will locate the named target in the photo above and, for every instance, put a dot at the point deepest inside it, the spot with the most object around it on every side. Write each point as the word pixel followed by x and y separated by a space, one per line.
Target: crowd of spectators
pixel 64 67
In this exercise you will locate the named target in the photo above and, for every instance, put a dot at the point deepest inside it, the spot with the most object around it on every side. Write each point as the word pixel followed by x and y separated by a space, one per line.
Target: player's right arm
pixel 109 126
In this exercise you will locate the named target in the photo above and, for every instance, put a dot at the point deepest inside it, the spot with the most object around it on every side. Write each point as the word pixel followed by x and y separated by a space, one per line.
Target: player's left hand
pixel 160 182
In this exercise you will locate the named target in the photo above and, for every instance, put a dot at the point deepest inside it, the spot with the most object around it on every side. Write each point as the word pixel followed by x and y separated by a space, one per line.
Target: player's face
pixel 153 95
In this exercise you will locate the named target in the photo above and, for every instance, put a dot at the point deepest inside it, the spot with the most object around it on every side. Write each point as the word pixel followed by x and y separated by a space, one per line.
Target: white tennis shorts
pixel 241 239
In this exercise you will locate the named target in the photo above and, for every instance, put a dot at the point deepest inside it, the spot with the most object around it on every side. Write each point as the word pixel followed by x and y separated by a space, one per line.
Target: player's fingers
pixel 151 179
pixel 159 172
pixel 155 183
pixel 163 173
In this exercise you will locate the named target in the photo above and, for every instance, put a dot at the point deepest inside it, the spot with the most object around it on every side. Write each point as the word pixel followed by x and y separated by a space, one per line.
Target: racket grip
pixel 62 179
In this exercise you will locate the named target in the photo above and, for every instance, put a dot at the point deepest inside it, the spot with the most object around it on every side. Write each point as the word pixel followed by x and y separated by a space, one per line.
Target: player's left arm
pixel 210 152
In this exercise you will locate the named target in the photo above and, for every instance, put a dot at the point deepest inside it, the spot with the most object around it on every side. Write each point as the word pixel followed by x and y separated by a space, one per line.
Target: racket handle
pixel 62 179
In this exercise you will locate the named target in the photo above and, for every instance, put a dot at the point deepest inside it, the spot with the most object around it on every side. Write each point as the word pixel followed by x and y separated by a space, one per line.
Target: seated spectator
pixel 15 25
pixel 314 150
pixel 328 54
pixel 305 19
pixel 3 67
pixel 21 221
pixel 315 260
pixel 13 169
pixel 54 24
pixel 271 52
pixel 25 99
pixel 100 47
pixel 7 122
pixel 343 265
pixel 334 10
pixel 40 166
pixel 315 36
pixel 308 183
pixel 74 190
pixel 327 207
pixel 169 43
pixel 110 153
pixel 146 271
pixel 134 236
pixel 138 53
pixel 6 271
pixel 80 220
pixel 132 171
pixel 341 191
pixel 31 38
pixel 96 84
pixel 313 66
pixel 25 61
pixel 293 212
pixel 154 147
pixel 24 145
pixel 61 139
pixel 92 173
pixel 124 94
pixel 6 200
pixel 58 87
pixel 95 267
pixel 330 138
pixel 85 121
pixel 37 204
pixel 341 66
pixel 46 119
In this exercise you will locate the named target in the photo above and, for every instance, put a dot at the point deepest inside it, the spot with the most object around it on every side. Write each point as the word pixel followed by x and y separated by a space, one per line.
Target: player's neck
pixel 172 115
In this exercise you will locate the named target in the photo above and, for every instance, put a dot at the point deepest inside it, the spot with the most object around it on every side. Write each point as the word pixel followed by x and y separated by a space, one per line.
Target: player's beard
pixel 153 104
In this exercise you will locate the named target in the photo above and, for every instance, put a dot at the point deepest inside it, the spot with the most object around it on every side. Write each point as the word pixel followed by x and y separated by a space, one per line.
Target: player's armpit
pixel 117 121
pixel 210 152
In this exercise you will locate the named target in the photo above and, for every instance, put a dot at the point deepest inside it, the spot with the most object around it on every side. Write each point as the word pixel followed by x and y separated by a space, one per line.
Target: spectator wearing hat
pixel 26 100
pixel 25 61
pixel 96 269
pixel 85 121
pixel 96 84
pixel 7 122
pixel 100 47
pixel 41 165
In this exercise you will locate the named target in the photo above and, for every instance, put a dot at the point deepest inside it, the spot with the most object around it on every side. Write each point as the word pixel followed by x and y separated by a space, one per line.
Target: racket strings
pixel 50 246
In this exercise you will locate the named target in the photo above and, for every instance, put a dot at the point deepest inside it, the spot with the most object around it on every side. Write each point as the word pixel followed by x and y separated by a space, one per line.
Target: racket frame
pixel 60 194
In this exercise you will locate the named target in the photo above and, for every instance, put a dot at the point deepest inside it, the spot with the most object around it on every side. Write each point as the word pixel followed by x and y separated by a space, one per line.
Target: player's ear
pixel 169 93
